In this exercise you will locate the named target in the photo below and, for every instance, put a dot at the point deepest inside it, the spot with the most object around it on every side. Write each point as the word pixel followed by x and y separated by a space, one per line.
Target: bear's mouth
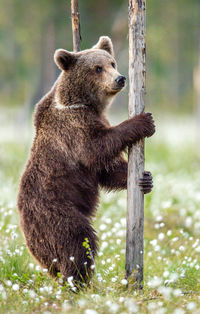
pixel 117 89
pixel 113 91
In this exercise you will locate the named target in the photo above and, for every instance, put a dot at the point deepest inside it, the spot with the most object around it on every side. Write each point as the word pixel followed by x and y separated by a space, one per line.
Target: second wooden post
pixel 75 26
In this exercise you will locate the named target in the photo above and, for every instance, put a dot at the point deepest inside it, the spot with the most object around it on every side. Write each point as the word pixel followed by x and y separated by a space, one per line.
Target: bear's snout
pixel 120 80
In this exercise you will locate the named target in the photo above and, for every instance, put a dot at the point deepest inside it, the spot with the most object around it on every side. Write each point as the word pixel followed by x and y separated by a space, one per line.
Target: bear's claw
pixel 146 183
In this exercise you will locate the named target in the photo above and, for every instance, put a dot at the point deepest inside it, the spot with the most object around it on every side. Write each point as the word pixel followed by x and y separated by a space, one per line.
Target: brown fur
pixel 75 150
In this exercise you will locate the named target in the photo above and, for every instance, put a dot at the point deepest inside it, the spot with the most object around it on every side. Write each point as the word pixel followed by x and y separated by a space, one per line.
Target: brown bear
pixel 75 151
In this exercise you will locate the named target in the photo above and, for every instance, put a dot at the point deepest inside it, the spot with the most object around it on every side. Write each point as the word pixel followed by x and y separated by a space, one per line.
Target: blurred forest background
pixel 30 31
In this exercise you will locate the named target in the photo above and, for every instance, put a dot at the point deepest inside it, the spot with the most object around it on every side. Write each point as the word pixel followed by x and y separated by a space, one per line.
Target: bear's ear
pixel 64 59
pixel 105 43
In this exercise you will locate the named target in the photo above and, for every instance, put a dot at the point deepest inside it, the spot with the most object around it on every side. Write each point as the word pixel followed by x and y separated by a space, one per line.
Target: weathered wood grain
pixel 135 198
pixel 75 26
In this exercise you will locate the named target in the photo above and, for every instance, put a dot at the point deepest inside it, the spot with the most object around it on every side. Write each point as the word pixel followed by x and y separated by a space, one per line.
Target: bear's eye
pixel 113 65
pixel 99 69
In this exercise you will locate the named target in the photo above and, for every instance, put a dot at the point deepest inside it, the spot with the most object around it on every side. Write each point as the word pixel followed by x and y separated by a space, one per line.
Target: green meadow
pixel 171 235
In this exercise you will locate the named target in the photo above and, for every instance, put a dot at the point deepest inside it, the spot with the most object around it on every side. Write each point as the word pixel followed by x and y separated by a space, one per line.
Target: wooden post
pixel 75 26
pixel 135 198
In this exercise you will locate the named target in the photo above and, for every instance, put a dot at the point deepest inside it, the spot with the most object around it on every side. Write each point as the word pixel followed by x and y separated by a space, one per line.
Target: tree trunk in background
pixel 135 198
pixel 47 72
pixel 175 66
pixel 47 65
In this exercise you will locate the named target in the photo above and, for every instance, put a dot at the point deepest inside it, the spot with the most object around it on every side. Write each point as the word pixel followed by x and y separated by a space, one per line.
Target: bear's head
pixel 88 77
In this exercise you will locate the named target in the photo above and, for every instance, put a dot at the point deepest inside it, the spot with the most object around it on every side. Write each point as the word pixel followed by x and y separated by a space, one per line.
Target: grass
pixel 171 237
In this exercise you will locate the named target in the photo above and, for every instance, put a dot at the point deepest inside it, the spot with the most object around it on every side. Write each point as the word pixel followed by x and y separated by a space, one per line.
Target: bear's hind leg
pixel 79 244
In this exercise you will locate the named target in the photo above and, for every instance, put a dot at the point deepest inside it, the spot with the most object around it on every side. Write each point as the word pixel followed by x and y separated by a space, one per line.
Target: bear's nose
pixel 120 80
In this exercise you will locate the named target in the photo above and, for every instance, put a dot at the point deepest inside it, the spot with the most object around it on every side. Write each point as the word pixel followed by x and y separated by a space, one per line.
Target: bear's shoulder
pixel 41 108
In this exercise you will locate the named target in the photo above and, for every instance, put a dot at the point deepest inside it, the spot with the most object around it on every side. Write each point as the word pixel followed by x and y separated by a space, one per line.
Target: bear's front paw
pixel 146 183
pixel 145 124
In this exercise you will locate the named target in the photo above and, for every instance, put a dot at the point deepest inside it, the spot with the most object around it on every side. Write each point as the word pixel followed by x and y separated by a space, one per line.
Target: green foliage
pixel 86 244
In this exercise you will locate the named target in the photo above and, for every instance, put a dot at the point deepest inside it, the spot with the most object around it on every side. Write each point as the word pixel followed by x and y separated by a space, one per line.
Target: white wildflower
pixel 191 306
pixel 195 243
pixel 108 221
pixel 177 292
pixel 153 242
pixel 70 281
pixel 26 303
pixel 1 288
pixel 104 245
pixel 131 305
pixel 102 227
pixel 121 299
pixel 157 248
pixel 82 302
pixel 197 249
pixel 31 265
pixel 155 282
pixel 173 277
pixel 124 282
pixel 179 311
pixel 3 295
pixel 123 222
pixel 165 291
pixel 161 236
pixel 15 287
pixel 104 236
pixel 169 232
pixel 151 306
pixel 188 222
pixel 9 283
pixel 113 307
pixel 89 311
pixel 95 297
pixel 32 294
